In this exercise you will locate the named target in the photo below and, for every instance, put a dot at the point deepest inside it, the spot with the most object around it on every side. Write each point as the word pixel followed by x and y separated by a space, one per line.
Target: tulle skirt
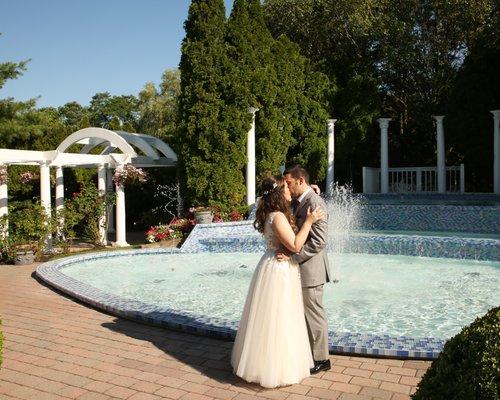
pixel 272 346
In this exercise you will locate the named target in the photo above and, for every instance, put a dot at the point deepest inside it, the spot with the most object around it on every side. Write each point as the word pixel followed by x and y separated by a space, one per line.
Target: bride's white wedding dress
pixel 272 347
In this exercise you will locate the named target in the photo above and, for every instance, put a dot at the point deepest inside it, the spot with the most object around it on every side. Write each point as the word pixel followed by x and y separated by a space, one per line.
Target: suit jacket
pixel 313 259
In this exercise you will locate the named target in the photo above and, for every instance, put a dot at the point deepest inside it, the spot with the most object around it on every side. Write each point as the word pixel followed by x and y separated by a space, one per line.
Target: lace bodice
pixel 272 241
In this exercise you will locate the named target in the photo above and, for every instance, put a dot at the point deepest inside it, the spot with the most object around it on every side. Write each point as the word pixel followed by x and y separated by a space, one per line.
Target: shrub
pixel 29 227
pixel 82 213
pixel 468 367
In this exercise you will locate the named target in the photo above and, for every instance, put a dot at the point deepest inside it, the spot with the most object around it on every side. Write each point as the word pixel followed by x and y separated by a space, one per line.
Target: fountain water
pixel 344 212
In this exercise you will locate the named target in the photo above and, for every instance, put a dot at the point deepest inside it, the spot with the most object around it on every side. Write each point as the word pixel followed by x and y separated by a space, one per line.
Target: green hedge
pixel 469 365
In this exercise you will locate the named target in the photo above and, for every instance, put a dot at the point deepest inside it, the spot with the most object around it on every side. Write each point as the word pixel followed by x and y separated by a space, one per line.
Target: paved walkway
pixel 56 348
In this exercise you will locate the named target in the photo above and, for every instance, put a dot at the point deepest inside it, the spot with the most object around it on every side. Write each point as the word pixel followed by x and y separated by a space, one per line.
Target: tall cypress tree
pixel 309 148
pixel 211 161
pixel 252 79
pixel 271 74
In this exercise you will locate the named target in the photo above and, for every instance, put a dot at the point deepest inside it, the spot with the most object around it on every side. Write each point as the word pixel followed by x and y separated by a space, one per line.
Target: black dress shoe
pixel 319 366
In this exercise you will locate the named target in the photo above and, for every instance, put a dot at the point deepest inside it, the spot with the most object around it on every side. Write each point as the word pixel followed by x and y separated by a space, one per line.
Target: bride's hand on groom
pixel 315 188
pixel 316 214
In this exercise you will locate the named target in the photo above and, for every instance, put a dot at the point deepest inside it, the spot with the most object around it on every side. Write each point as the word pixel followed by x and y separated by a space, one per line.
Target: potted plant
pixel 203 215
pixel 165 234
pixel 129 174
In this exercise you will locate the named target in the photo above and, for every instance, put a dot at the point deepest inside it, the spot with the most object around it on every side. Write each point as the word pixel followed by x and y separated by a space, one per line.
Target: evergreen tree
pixel 104 108
pixel 84 122
pixel 210 159
pixel 114 124
pixel 468 122
pixel 335 36
pixel 311 142
pixel 271 74
pixel 159 109
pixel 252 82
pixel 71 114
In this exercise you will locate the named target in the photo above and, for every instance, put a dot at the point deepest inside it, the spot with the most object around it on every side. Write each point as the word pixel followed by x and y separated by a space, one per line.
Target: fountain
pixel 200 288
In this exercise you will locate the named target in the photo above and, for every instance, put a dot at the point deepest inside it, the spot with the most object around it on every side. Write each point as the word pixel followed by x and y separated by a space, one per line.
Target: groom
pixel 313 261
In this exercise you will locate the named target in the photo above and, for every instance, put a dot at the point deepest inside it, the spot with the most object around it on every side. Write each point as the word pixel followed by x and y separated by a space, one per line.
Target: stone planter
pixel 163 243
pixel 24 257
pixel 170 242
pixel 203 217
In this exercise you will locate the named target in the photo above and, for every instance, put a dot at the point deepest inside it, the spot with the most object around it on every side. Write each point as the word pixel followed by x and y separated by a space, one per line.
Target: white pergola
pixel 114 149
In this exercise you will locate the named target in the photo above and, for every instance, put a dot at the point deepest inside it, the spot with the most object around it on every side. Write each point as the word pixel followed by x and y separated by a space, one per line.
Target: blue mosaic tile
pixel 242 237
pixel 430 217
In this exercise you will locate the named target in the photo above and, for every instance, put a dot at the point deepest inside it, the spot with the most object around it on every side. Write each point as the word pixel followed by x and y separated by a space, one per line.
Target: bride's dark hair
pixel 272 191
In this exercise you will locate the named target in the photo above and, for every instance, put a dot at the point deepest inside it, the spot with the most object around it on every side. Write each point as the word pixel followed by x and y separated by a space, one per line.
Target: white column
pixel 462 178
pixel 441 164
pixel 384 155
pixel 4 201
pixel 59 200
pixel 101 187
pixel 45 197
pixel 110 210
pixel 251 159
pixel 121 227
pixel 330 176
pixel 496 151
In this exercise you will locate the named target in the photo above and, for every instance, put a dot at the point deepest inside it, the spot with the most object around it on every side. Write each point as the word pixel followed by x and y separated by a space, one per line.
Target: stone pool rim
pixel 364 344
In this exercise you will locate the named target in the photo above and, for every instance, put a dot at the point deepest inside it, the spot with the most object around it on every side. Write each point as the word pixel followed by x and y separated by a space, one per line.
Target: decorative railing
pixel 414 179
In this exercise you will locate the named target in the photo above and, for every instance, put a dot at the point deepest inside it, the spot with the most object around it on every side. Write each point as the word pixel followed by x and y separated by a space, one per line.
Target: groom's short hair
pixel 296 172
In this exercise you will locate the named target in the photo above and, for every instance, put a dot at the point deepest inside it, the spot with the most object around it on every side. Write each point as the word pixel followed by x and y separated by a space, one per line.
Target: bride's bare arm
pixel 286 235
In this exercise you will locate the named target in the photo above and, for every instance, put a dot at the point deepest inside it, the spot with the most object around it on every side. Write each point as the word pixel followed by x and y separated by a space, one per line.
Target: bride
pixel 272 345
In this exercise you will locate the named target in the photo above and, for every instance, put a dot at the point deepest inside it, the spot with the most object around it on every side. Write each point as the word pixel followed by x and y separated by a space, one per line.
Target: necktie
pixel 295 204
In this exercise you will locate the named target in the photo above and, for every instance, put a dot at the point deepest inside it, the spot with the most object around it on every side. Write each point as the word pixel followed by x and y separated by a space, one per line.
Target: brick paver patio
pixel 56 348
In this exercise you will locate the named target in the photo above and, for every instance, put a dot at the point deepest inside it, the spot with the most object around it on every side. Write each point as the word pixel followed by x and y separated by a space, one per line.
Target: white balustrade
pixel 414 179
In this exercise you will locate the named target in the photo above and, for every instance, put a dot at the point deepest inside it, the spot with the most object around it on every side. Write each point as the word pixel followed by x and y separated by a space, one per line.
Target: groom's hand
pixel 281 256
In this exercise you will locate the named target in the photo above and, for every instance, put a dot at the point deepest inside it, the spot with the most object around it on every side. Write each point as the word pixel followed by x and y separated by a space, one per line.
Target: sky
pixel 81 47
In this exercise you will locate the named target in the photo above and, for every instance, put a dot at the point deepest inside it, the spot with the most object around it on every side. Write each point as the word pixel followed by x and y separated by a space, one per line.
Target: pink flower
pixel 26 177
pixel 129 174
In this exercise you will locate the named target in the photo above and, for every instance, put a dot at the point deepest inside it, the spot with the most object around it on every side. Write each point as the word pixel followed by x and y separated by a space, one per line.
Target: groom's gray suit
pixel 315 272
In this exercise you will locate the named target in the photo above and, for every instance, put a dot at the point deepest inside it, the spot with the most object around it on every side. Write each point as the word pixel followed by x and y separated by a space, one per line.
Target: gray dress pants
pixel 317 327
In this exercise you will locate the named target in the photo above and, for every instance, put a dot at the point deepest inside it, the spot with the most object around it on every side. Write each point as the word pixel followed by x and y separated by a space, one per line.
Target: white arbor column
pixel 4 202
pixel 496 151
pixel 441 163
pixel 330 176
pixel 101 187
pixel 45 197
pixel 251 159
pixel 384 154
pixel 59 200
pixel 110 210
pixel 121 227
